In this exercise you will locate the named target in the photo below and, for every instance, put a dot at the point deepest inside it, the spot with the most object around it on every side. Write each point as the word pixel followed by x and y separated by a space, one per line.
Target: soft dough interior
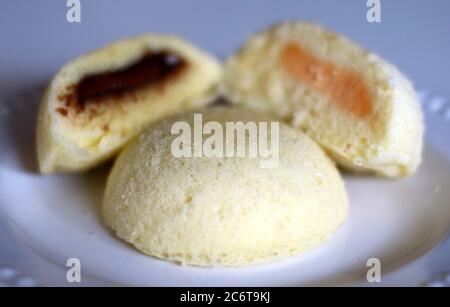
pixel 357 106
pixel 99 102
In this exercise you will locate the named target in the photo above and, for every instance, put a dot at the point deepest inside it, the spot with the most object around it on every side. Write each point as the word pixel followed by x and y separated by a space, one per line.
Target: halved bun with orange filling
pixel 360 108
pixel 99 102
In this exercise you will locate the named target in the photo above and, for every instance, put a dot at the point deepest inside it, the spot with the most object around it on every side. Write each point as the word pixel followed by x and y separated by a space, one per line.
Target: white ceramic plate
pixel 46 220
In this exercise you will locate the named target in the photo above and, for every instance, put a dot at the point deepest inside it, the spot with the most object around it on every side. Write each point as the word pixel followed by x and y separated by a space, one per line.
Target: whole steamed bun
pixel 215 211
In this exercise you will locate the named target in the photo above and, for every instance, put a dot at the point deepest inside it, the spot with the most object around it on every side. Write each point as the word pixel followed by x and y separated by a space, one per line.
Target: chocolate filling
pixel 153 69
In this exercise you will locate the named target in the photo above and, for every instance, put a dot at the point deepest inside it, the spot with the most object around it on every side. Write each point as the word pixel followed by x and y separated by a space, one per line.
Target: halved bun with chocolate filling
pixel 100 101
pixel 360 108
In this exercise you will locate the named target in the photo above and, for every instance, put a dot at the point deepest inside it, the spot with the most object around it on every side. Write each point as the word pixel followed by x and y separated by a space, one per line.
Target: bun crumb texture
pixel 228 212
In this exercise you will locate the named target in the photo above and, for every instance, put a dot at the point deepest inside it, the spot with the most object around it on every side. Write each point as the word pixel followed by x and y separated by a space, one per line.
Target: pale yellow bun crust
pixel 380 131
pixel 72 140
pixel 226 212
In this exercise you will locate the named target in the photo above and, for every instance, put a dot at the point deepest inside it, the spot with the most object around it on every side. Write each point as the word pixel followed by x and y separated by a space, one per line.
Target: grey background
pixel 36 39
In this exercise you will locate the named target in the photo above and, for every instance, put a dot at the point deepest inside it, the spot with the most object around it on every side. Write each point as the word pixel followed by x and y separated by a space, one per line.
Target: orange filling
pixel 344 87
